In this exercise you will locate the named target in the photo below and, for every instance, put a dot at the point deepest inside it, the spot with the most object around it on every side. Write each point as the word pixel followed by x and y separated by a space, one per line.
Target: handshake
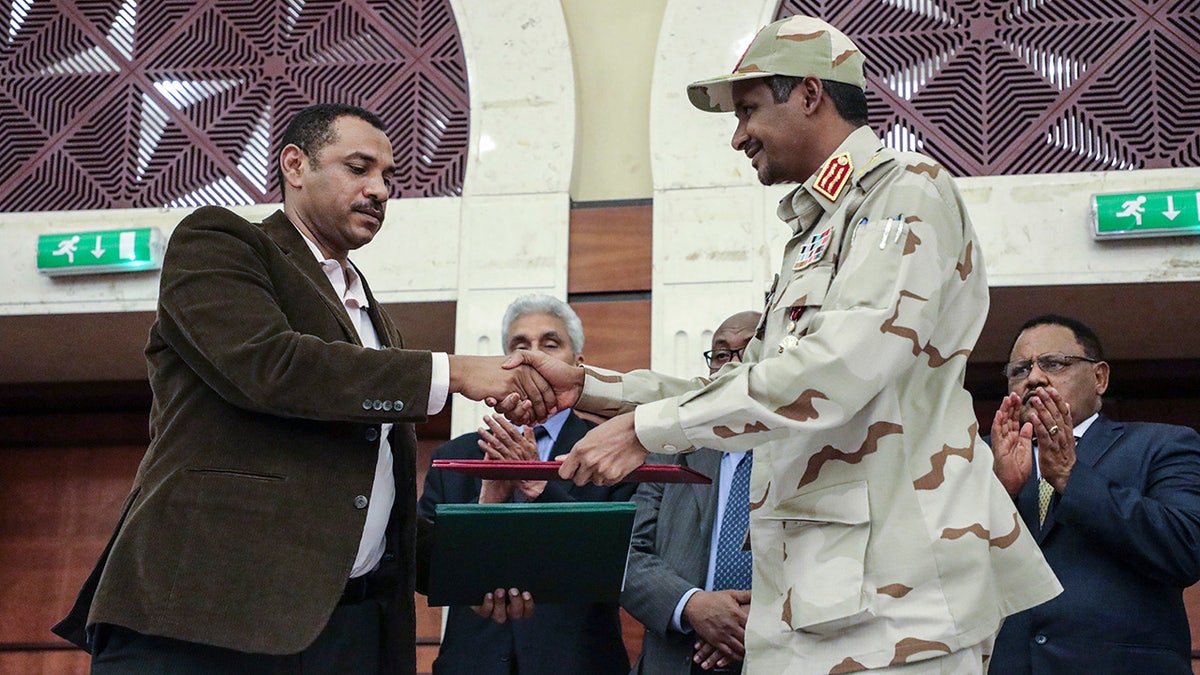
pixel 527 387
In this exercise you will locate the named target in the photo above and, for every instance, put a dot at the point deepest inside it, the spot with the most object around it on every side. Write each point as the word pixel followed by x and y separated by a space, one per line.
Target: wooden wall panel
pixel 57 510
pixel 58 662
pixel 616 333
pixel 610 249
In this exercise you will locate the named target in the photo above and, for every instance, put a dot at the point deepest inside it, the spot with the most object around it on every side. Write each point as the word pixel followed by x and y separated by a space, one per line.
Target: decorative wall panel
pixel 1029 86
pixel 125 104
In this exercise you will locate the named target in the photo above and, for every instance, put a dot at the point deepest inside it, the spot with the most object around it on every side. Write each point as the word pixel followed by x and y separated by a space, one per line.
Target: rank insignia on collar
pixel 834 176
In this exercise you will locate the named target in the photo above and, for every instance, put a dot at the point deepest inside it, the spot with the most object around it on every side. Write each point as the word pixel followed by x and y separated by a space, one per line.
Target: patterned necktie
pixel 733 564
pixel 1045 491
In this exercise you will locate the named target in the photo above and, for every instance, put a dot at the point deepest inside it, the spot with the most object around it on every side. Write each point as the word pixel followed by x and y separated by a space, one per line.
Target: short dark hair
pixel 1084 335
pixel 849 100
pixel 311 129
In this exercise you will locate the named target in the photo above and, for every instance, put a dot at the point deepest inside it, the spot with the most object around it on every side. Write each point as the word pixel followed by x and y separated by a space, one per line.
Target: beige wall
pixel 613 44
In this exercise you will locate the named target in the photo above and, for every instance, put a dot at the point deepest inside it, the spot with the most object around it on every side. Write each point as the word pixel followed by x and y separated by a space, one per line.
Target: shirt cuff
pixel 439 383
pixel 677 617
pixel 603 391
pixel 657 427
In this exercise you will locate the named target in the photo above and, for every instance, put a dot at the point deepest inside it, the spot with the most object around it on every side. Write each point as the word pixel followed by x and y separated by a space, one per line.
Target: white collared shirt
pixel 553 426
pixel 348 286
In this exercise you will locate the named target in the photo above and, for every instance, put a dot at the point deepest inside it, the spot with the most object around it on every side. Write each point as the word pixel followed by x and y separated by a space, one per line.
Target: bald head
pixel 741 324
pixel 733 335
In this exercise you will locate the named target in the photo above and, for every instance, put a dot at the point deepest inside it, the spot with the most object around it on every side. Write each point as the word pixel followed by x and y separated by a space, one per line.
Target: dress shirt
pixel 553 427
pixel 348 285
pixel 729 464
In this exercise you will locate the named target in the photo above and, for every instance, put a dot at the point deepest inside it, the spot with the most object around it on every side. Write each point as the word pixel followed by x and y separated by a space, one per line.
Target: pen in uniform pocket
pixel 854 234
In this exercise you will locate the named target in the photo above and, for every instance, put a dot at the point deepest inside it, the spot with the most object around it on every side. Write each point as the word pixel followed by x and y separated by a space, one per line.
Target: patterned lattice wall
pixel 1029 86
pixel 123 104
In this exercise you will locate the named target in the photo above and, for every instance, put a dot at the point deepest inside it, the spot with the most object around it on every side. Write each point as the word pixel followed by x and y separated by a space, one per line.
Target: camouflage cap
pixel 798 46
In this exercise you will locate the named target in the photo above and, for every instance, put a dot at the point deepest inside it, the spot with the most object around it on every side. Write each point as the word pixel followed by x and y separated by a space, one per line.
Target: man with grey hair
pixel 582 638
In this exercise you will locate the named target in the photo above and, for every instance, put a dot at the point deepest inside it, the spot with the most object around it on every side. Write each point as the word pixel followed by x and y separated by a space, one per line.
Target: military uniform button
pixel 387 405
pixel 398 405
pixel 372 434
pixel 367 404
pixel 377 404
pixel 360 502
pixel 1040 639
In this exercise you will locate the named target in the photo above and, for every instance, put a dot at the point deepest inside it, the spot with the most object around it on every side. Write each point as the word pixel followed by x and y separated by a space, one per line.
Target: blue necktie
pixel 733 564
pixel 542 437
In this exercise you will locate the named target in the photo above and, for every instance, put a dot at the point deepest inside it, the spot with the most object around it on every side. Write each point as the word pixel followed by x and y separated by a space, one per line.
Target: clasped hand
pixel 719 619
pixel 517 390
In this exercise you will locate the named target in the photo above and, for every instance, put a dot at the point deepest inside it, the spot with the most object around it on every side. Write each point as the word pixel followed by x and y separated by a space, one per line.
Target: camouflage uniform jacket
pixel 880 534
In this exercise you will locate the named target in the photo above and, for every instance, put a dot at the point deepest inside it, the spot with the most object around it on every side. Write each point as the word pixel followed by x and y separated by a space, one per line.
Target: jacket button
pixel 377 404
pixel 387 405
pixel 398 405
pixel 1040 639
pixel 372 434
pixel 367 404
pixel 360 502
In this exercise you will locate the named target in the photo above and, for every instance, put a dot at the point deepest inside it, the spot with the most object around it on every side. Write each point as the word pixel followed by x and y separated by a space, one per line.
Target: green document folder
pixel 561 552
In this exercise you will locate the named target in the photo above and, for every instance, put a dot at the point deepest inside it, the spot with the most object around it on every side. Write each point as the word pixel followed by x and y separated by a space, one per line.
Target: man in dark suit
pixel 271 526
pixel 1114 506
pixel 576 638
pixel 694 622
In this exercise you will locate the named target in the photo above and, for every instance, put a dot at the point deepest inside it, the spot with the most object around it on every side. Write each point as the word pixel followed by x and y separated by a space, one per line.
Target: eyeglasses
pixel 719 357
pixel 1051 363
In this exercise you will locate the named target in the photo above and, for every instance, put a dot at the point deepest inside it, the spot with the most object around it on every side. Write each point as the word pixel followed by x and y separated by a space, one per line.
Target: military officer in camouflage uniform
pixel 881 539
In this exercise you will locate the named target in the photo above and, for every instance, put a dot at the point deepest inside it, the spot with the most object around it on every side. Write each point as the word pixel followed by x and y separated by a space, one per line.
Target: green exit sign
pixel 1167 213
pixel 108 251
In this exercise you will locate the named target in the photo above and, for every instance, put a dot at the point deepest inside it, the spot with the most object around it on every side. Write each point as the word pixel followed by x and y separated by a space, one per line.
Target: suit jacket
pixel 246 513
pixel 880 534
pixel 1124 540
pixel 672 536
pixel 559 638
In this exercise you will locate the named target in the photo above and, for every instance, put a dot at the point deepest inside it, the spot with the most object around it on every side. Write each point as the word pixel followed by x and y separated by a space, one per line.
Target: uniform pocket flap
pixel 807 289
pixel 846 503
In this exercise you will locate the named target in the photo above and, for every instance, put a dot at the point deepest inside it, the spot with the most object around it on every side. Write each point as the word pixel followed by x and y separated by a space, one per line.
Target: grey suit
pixel 669 556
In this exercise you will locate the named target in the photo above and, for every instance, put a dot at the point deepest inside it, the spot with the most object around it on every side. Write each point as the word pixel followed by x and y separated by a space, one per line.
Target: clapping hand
pixel 501 440
pixel 1054 428
pixel 1012 445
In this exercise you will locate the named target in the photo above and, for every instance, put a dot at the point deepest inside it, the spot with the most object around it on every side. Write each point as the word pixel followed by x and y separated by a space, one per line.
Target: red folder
pixel 502 469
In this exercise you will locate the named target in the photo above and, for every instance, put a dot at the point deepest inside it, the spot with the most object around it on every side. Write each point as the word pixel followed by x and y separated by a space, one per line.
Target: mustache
pixel 369 205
